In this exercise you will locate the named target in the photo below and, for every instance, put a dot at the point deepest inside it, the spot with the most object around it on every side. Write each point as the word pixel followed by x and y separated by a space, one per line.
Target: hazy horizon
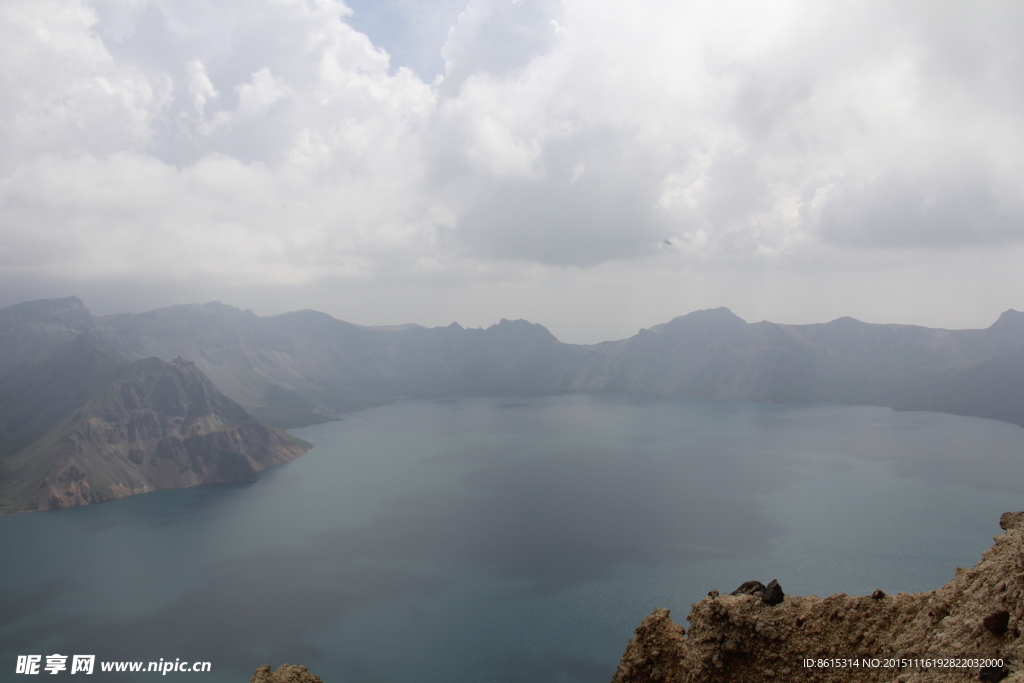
pixel 484 325
pixel 589 166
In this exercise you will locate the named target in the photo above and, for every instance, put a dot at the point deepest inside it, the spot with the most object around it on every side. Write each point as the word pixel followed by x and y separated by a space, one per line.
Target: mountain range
pixel 63 370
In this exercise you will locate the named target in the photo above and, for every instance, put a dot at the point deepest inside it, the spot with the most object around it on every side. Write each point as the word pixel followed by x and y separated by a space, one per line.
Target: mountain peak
pixel 846 321
pixel 520 327
pixel 709 317
pixel 720 313
pixel 69 311
pixel 1009 320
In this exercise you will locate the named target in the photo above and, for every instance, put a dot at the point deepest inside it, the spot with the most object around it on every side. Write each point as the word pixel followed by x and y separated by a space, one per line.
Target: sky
pixel 593 166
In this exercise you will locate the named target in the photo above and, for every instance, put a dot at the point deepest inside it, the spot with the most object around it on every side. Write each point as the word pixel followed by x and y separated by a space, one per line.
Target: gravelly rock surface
pixel 286 673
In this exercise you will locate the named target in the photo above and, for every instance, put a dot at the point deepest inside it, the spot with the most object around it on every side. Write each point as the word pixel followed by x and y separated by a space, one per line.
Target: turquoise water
pixel 505 540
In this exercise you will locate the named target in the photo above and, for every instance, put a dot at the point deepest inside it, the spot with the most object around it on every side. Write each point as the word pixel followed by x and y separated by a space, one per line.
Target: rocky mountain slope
pixel 147 425
pixel 741 638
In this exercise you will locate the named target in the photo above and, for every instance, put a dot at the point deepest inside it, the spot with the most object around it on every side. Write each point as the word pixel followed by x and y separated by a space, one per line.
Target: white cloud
pixel 263 90
pixel 255 97
pixel 62 92
pixel 333 186
pixel 199 86
pixel 274 143
pixel 497 37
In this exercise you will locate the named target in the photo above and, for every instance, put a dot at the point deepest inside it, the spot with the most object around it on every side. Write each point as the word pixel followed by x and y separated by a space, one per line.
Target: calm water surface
pixel 505 540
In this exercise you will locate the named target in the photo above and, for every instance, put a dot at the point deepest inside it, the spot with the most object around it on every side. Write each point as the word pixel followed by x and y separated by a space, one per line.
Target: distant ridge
pixel 304 367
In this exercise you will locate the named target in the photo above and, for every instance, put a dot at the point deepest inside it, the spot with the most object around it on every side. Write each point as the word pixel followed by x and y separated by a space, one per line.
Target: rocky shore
pixel 744 638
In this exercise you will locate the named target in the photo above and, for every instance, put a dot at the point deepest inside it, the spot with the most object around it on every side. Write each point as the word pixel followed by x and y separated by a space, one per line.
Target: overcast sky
pixel 594 166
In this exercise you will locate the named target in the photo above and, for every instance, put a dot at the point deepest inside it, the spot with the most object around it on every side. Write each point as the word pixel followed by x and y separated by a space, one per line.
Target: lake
pixel 505 540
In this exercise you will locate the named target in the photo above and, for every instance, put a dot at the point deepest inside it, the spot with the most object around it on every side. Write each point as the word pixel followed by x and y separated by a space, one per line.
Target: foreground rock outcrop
pixel 743 639
pixel 286 673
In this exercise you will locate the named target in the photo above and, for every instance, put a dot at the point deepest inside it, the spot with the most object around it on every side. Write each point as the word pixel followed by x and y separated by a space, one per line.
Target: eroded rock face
pixel 742 639
pixel 154 425
pixel 286 673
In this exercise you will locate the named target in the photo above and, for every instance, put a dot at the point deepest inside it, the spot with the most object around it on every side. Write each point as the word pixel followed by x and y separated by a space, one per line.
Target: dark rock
pixel 1011 520
pixel 773 594
pixel 749 588
pixel 878 594
pixel 286 673
pixel 997 622
pixel 993 674
pixel 712 594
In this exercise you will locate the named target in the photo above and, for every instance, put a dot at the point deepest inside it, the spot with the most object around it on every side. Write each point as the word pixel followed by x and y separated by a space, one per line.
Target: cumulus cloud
pixel 302 167
pixel 255 97
pixel 274 142
pixel 63 93
pixel 497 37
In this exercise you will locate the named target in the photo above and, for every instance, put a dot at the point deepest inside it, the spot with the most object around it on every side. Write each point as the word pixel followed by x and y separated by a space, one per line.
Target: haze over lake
pixel 507 539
